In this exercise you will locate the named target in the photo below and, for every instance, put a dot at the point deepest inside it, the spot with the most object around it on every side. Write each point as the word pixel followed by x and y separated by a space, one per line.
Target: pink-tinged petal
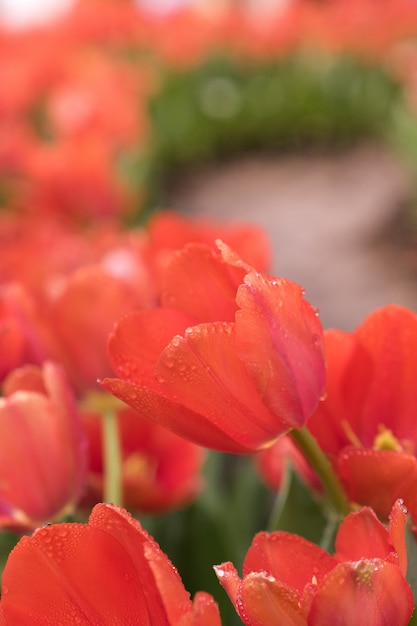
pixel 397 524
pixel 202 371
pixel 42 457
pixel 290 559
pixel 279 338
pixel 205 611
pixel 373 590
pixel 174 416
pixel 138 340
pixel 263 601
pixel 76 574
pixel 362 536
pixel 377 478
pixel 207 299
pixel 161 577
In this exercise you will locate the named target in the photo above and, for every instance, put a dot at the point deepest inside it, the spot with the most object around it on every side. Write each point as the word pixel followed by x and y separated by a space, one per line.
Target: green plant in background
pixel 226 106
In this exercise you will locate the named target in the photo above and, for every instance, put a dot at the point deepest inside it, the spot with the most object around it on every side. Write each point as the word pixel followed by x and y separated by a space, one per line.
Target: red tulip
pixel 288 580
pixel 169 231
pixel 367 422
pixel 231 360
pixel 159 470
pixel 81 317
pixel 43 452
pixel 108 572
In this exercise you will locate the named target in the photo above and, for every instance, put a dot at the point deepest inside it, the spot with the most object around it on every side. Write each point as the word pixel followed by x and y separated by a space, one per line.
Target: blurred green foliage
pixel 224 107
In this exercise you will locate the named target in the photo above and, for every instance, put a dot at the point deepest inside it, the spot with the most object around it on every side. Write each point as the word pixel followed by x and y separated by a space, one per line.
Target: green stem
pixel 323 469
pixel 112 460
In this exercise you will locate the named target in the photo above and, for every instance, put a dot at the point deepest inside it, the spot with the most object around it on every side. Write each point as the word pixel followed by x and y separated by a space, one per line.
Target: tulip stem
pixel 112 459
pixel 322 466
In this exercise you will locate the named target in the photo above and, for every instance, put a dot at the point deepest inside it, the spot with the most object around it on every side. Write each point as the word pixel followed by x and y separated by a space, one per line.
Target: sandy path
pixel 325 215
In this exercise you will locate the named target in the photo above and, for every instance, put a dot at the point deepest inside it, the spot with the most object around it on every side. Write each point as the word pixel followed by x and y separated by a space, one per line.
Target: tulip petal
pixel 208 300
pixel 371 538
pixel 390 336
pixel 259 599
pixel 205 611
pixel 203 372
pixel 279 338
pixel 87 308
pixel 263 601
pixel 173 416
pixel 328 423
pixel 42 457
pixel 289 558
pixel 397 524
pixel 74 574
pixel 147 557
pixel 373 590
pixel 378 478
pixel 138 340
pixel 229 580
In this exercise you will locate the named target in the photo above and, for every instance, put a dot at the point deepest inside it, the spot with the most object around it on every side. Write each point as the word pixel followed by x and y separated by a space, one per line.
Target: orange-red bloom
pixel 107 572
pixel 43 451
pixel 231 360
pixel 367 422
pixel 288 580
pixel 159 470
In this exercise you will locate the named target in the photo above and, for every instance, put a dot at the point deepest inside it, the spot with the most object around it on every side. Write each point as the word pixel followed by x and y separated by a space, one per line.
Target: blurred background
pixel 299 116
pixel 279 112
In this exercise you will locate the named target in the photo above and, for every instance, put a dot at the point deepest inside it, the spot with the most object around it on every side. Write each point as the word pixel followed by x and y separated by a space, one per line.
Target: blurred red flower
pixel 109 571
pixel 367 422
pixel 160 470
pixel 272 463
pixel 168 232
pixel 288 580
pixel 43 451
pixel 231 360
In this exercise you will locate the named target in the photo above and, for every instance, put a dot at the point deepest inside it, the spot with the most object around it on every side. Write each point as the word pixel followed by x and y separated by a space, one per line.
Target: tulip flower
pixel 366 424
pixel 288 580
pixel 107 572
pixel 81 317
pixel 159 470
pixel 43 451
pixel 231 360
pixel 168 231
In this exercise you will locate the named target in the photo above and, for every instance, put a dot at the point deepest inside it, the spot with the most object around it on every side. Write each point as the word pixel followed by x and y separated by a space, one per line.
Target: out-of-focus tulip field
pixel 182 443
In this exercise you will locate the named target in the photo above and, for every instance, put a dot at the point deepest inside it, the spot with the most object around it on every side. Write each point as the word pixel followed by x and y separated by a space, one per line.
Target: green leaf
pixel 296 510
